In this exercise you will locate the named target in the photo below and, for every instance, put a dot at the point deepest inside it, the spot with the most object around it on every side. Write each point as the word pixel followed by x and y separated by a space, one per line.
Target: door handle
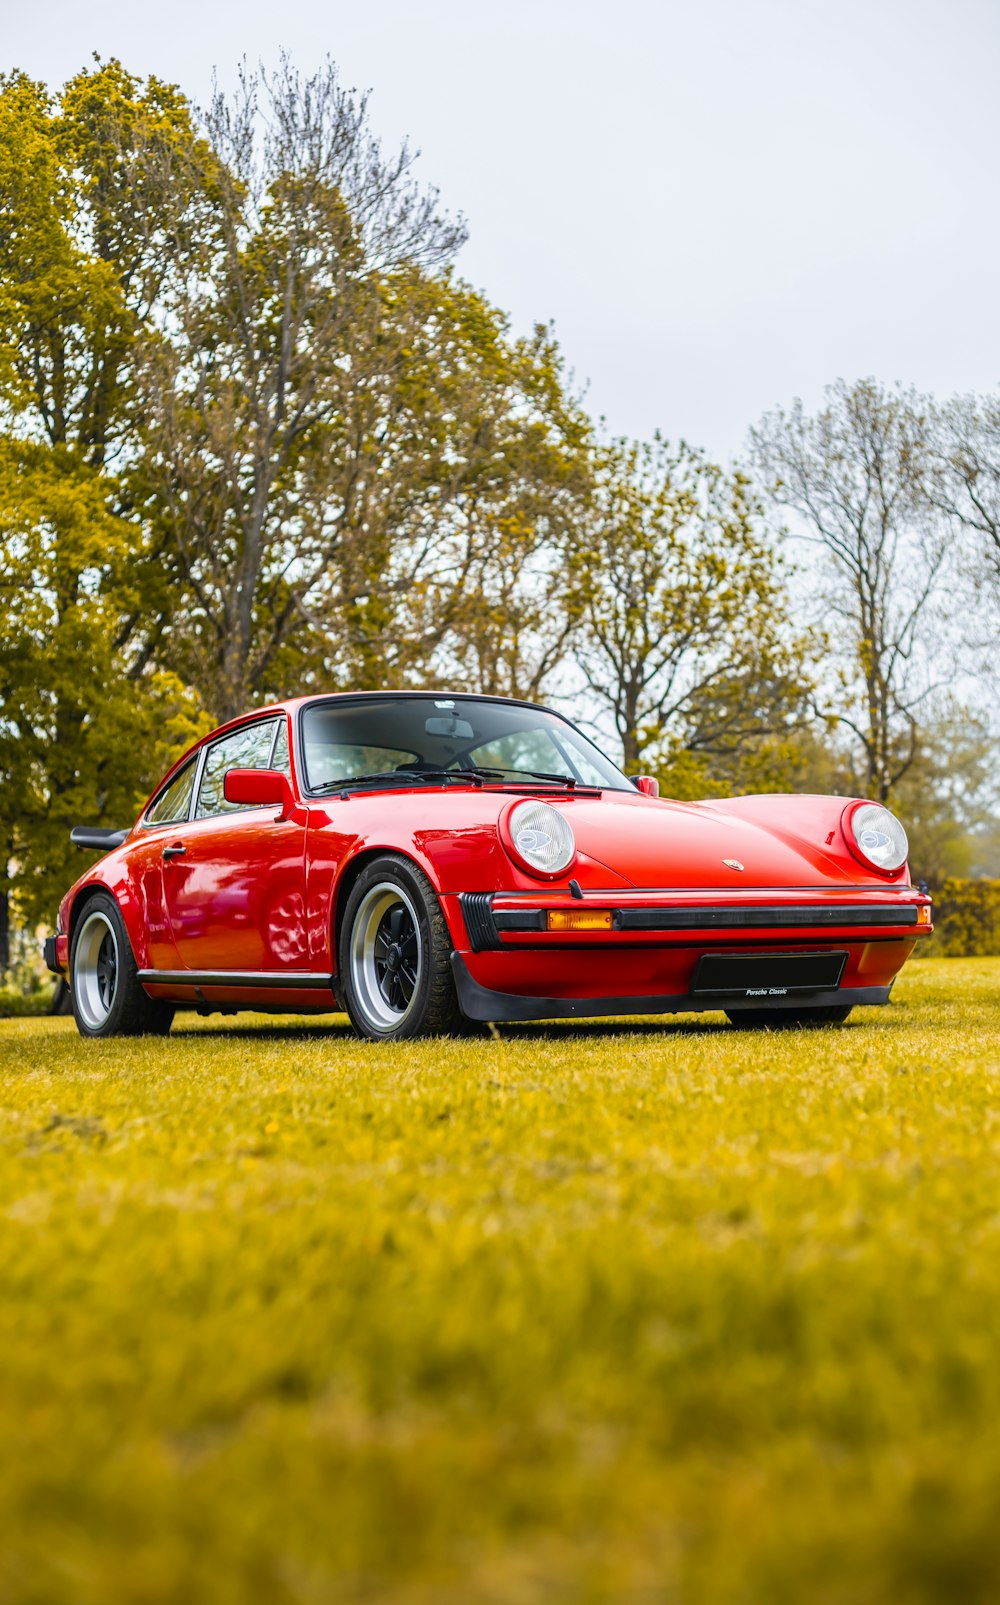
pixel 173 852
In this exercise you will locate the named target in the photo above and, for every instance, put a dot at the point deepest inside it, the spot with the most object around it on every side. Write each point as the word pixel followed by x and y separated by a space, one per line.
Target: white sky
pixel 720 203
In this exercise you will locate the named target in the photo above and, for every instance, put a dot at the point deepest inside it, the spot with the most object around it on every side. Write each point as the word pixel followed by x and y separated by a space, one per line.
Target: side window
pixel 248 748
pixel 280 758
pixel 172 805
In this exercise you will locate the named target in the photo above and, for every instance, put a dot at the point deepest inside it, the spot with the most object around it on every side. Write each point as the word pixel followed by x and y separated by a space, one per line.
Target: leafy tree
pixel 685 638
pixel 474 588
pixel 80 736
pixel 276 407
pixel 964 486
pixel 94 225
pixel 856 477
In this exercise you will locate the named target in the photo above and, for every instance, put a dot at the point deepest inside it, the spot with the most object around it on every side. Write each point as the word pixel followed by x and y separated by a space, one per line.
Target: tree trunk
pixel 4 928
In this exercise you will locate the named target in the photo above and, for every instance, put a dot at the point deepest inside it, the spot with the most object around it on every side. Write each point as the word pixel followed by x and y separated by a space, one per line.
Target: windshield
pixel 407 736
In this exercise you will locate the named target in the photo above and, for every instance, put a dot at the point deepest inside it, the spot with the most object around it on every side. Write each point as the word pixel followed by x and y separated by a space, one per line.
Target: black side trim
pixel 94 839
pixel 478 1003
pixel 49 955
pixel 259 981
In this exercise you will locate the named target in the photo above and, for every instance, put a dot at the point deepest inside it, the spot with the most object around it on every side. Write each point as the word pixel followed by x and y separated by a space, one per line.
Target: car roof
pixel 292 705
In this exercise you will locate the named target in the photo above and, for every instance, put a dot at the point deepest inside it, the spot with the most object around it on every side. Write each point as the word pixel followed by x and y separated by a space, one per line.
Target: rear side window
pixel 249 748
pixel 173 803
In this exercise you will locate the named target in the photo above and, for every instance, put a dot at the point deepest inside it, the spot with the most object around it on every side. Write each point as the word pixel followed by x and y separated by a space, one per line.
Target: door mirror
pixel 648 785
pixel 259 788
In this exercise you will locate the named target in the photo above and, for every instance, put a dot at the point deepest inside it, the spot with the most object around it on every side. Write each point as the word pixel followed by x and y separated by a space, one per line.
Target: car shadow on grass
pixel 520 1031
pixel 338 1027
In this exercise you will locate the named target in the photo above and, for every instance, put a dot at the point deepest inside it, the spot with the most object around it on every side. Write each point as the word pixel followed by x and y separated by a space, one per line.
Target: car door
pixel 233 875
pixel 167 814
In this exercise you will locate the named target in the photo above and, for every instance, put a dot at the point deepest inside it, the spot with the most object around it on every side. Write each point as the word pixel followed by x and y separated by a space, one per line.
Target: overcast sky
pixel 721 204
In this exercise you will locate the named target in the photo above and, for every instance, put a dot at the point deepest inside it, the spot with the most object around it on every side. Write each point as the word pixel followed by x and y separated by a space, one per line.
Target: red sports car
pixel 424 860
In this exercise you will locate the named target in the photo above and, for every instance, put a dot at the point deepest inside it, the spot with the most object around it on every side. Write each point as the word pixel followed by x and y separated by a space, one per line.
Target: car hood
pixel 622 838
pixel 739 843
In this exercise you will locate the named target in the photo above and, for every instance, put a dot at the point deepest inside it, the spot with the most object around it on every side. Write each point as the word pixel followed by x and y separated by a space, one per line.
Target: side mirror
pixel 259 788
pixel 648 785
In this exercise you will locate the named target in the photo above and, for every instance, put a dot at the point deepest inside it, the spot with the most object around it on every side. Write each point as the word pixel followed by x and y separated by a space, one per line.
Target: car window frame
pixel 198 760
pixel 146 823
pixel 194 818
pixel 309 794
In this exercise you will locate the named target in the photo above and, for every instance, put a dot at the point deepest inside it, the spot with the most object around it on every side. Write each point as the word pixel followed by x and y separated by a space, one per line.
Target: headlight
pixel 541 837
pixel 877 837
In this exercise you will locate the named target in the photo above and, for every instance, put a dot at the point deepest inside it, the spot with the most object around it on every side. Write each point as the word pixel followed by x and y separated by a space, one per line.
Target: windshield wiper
pixel 387 778
pixel 534 774
pixel 407 777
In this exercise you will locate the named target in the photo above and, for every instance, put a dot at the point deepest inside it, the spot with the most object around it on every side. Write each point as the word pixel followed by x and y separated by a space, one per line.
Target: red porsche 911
pixel 425 860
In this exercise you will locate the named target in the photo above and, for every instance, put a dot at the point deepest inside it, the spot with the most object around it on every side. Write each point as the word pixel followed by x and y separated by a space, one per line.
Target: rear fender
pixel 111 876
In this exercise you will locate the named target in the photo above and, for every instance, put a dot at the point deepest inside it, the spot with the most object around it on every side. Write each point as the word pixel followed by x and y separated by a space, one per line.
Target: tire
pixel 395 956
pixel 778 1019
pixel 108 1000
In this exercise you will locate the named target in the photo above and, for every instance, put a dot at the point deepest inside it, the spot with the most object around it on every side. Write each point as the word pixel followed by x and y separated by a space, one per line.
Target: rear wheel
pixel 108 999
pixel 832 1014
pixel 395 955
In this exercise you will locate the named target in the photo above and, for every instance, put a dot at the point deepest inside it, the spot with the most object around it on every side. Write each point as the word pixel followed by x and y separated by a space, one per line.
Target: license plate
pixel 767 975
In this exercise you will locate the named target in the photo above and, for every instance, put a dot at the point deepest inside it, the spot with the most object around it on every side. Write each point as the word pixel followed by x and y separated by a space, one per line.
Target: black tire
pixel 108 1000
pixel 832 1014
pixel 395 955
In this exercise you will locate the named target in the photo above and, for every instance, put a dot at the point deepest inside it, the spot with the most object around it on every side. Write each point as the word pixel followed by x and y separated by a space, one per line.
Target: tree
pixel 856 477
pixel 947 799
pixel 964 483
pixel 94 227
pixel 276 407
pixel 685 638
pixel 81 737
pixel 476 583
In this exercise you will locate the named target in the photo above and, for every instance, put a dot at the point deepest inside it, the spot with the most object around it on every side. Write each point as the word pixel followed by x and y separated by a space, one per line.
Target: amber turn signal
pixel 924 914
pixel 579 919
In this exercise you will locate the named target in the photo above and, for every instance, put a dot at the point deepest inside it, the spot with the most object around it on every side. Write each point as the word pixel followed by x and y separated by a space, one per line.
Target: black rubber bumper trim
pixel 480 923
pixel 261 980
pixel 49 955
pixel 763 917
pixel 725 917
pixel 479 1003
pixel 486 920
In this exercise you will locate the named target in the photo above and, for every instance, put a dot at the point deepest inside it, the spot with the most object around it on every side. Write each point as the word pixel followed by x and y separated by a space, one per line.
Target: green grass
pixel 638 1313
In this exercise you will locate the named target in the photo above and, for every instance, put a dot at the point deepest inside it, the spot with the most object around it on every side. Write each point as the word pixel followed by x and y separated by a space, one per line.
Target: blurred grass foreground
pixel 650 1313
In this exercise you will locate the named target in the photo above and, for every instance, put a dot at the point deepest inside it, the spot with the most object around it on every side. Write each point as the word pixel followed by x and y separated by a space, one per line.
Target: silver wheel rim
pixel 95 970
pixel 386 956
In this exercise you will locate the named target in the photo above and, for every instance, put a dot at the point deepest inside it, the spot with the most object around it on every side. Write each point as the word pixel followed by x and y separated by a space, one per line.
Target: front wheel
pixel 108 999
pixel 832 1014
pixel 395 955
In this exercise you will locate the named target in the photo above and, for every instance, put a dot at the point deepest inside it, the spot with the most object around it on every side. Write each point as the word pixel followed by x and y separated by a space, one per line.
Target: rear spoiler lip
pixel 96 839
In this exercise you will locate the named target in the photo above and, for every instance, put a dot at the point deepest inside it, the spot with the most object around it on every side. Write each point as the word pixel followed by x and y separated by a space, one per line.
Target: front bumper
pixel 55 951
pixel 512 963
pixel 482 1003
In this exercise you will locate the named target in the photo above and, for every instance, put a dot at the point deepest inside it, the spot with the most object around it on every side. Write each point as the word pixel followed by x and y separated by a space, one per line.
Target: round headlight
pixel 541 837
pixel 878 838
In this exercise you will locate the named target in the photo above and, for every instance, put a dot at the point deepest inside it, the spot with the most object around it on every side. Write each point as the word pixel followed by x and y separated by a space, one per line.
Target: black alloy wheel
pixel 107 996
pixel 395 955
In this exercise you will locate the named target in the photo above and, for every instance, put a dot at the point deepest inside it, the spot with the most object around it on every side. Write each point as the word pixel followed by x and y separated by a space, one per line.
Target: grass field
pixel 639 1313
